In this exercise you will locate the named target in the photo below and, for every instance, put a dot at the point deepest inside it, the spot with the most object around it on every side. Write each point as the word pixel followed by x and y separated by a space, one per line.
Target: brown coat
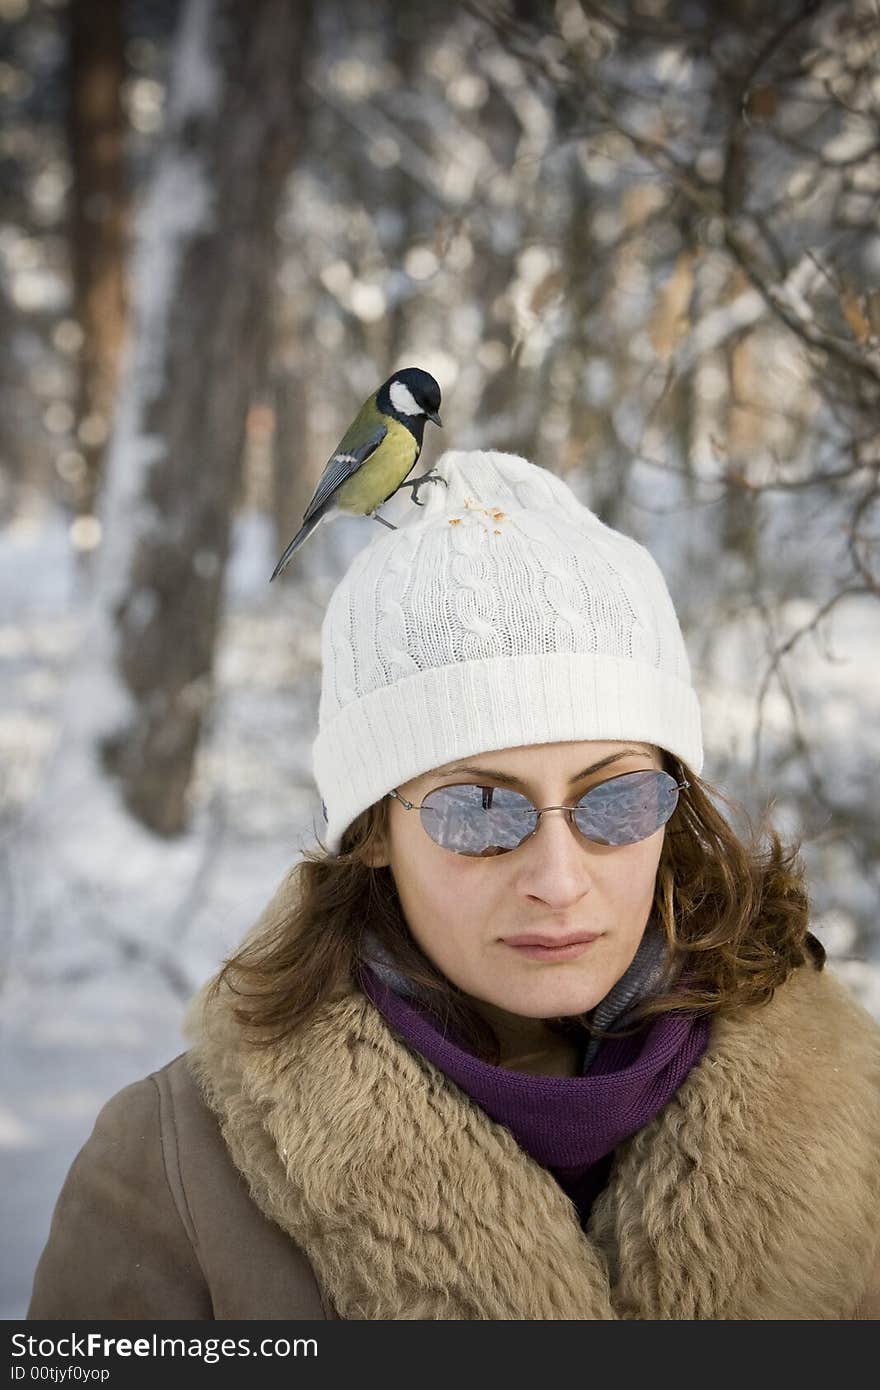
pixel 375 1189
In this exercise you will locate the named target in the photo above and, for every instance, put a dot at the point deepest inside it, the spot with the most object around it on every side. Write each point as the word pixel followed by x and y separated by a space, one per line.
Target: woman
pixel 603 1076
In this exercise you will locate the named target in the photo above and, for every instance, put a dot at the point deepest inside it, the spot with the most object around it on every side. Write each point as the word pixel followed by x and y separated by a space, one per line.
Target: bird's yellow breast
pixel 382 473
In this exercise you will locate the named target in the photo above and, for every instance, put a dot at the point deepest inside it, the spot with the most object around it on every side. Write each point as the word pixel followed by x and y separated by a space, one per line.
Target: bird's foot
pixel 389 524
pixel 416 483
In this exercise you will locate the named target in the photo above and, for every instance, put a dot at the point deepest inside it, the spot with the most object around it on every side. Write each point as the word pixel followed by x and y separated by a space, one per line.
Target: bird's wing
pixel 347 460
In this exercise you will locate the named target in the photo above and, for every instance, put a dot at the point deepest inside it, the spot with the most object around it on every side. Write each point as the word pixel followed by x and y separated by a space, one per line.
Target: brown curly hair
pixel 734 910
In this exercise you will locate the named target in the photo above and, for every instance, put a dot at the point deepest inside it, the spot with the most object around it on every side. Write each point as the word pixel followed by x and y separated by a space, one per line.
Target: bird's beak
pixel 433 415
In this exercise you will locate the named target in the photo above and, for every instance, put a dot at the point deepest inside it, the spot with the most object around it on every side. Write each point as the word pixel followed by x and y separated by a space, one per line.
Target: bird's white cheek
pixel 403 399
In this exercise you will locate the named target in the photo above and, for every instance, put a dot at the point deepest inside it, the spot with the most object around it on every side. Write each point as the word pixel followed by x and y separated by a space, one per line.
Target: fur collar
pixel 754 1194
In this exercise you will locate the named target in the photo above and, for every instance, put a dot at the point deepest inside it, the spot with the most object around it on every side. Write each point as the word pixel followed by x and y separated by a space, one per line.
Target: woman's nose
pixel 555 861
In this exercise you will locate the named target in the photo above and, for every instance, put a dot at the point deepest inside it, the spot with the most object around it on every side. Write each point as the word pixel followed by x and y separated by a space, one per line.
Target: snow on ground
pixel 108 930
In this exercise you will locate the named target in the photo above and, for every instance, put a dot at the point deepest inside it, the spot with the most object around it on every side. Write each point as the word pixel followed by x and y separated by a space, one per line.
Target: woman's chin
pixel 559 998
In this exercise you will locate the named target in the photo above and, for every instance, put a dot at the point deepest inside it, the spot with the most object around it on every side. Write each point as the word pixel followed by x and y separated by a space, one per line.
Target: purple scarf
pixel 569 1124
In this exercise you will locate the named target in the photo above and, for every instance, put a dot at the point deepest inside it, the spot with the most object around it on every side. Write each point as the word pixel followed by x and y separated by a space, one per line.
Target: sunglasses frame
pixel 449 786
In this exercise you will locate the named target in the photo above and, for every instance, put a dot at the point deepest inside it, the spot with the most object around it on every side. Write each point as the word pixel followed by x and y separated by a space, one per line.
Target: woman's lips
pixel 534 950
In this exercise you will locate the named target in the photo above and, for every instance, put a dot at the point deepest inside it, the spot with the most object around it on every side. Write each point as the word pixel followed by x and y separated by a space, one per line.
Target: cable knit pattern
pixel 500 613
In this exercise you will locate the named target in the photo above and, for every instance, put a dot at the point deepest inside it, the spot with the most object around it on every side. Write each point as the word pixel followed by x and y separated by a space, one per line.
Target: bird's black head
pixel 411 395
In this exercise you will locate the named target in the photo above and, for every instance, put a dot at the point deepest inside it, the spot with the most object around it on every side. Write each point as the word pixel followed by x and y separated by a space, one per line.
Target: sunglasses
pixel 483 821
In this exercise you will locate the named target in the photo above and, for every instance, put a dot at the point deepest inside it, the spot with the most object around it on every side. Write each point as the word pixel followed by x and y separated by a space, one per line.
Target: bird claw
pixel 416 483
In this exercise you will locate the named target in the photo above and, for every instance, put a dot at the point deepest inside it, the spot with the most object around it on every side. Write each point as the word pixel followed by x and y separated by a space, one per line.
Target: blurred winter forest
pixel 636 242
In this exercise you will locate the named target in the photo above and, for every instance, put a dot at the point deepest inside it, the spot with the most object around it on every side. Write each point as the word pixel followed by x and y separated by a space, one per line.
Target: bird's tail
pixel 302 535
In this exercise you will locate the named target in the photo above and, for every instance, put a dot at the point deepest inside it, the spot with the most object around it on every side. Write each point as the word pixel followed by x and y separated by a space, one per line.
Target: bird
pixel 377 451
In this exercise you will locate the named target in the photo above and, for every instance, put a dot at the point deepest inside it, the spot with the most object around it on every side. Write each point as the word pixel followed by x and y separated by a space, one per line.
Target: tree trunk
pixel 98 224
pixel 205 283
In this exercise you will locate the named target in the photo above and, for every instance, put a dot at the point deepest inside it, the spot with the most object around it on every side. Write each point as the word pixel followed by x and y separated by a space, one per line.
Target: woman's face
pixel 463 911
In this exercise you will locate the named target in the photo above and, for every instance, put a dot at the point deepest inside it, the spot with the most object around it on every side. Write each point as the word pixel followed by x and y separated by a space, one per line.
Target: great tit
pixel 374 455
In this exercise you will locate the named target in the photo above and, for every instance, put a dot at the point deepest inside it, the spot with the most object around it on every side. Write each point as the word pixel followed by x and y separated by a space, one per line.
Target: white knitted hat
pixel 501 613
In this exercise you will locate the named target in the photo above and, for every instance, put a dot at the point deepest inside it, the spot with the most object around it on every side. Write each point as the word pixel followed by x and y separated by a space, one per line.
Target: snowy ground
pixel 106 930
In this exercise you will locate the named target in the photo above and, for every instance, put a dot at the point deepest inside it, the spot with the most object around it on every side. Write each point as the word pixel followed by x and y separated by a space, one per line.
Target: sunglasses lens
pixel 627 809
pixel 480 821
pixel 485 821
